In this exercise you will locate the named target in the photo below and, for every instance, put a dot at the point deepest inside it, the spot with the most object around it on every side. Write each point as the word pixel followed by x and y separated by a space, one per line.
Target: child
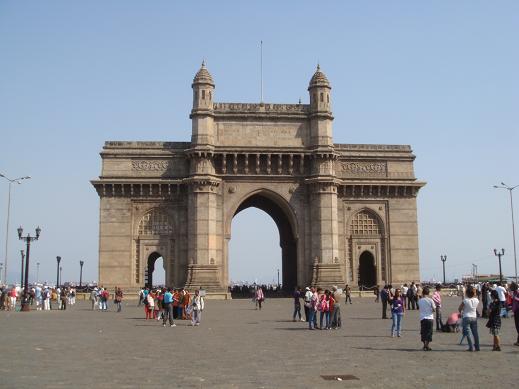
pixel 453 323
pixel 494 319
pixel 426 307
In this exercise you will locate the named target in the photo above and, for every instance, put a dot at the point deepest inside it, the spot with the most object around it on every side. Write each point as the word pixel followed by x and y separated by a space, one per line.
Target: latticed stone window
pixel 363 223
pixel 155 222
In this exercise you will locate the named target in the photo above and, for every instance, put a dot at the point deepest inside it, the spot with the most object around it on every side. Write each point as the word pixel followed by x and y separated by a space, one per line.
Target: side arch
pixel 366 233
pixel 154 237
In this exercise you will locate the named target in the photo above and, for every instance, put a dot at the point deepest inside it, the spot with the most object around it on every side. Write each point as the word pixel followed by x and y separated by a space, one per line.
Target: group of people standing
pixel 318 303
pixel 169 304
pixel 495 307
pixel 41 296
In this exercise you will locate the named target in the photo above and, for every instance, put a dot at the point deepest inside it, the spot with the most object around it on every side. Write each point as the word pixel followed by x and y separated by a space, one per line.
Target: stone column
pixel 328 269
pixel 204 253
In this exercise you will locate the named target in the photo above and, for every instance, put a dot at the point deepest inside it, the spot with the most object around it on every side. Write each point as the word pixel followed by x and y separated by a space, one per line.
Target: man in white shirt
pixel 501 293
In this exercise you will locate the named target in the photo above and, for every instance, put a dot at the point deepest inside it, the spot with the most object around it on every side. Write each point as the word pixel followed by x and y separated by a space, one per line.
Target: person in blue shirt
pixel 167 307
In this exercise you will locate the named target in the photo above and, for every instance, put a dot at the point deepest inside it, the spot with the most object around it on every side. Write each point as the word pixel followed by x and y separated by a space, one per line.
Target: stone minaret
pixel 320 110
pixel 202 112
pixel 204 253
pixel 327 267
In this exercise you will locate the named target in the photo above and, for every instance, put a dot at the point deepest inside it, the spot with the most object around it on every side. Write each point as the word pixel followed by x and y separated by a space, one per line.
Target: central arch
pixel 279 210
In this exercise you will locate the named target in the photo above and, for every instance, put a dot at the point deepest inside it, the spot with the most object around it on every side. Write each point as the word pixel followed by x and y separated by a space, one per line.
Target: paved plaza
pixel 239 347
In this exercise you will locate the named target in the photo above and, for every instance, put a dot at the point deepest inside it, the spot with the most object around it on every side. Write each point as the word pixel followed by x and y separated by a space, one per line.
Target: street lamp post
pixel 37 272
pixel 11 181
pixel 28 239
pixel 81 263
pixel 58 259
pixel 443 259
pixel 278 279
pixel 510 189
pixel 21 273
pixel 60 279
pixel 499 255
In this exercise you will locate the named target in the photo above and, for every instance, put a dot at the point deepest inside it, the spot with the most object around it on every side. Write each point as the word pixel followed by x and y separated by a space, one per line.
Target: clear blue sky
pixel 441 76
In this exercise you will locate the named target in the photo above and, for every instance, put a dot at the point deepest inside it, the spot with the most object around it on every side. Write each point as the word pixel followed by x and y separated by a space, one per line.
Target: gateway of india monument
pixel 346 213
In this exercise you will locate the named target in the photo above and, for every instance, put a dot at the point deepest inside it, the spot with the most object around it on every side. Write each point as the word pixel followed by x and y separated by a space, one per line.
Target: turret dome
pixel 319 79
pixel 203 76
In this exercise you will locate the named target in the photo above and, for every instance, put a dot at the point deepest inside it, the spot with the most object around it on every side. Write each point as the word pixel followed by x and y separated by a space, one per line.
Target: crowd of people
pixel 496 301
pixel 169 304
pixel 43 297
pixel 322 308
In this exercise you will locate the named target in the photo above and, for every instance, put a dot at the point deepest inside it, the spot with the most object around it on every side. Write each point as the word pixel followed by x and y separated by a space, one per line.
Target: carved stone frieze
pixel 150 165
pixel 363 169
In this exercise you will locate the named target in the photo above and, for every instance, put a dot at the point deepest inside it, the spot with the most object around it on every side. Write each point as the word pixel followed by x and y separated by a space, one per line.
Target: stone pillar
pixel 204 259
pixel 328 269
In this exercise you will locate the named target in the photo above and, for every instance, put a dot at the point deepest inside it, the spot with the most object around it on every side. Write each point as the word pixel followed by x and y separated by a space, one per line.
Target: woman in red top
pixel 324 307
pixel 12 297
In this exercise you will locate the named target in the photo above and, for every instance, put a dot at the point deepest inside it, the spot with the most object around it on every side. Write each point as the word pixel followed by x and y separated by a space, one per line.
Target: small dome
pixel 203 76
pixel 319 79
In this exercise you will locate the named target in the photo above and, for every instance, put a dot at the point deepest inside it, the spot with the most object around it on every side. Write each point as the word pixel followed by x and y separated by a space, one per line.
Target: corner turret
pixel 320 109
pixel 202 112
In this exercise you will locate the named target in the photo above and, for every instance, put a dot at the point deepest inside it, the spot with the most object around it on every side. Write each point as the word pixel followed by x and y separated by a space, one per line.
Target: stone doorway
pixel 367 270
pixel 150 269
pixel 287 240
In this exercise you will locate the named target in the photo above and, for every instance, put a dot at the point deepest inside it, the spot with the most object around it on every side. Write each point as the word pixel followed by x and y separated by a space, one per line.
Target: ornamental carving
pixel 371 169
pixel 144 165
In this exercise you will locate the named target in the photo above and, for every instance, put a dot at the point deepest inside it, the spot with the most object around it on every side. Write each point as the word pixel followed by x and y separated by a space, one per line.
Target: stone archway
pixel 367 270
pixel 268 203
pixel 280 158
pixel 150 268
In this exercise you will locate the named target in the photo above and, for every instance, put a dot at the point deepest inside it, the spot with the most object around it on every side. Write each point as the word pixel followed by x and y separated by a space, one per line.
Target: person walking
pixel 384 297
pixel 494 319
pixel 259 297
pixel 297 304
pixel 397 313
pixel 198 306
pixel 336 314
pixel 437 298
pixel 118 299
pixel 347 290
pixel 376 292
pixel 468 308
pixel 515 308
pixel 426 309
pixel 167 307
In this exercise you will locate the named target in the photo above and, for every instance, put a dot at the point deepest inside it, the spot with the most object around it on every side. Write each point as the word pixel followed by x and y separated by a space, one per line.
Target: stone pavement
pixel 239 347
